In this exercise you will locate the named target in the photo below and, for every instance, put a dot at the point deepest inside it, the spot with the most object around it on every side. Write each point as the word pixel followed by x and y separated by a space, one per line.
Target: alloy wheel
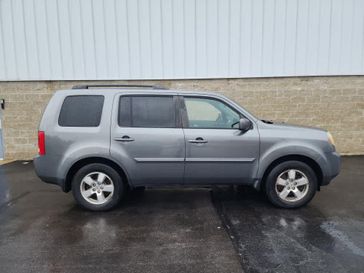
pixel 97 188
pixel 292 185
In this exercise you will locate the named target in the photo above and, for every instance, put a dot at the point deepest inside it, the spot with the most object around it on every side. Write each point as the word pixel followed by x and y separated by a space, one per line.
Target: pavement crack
pixel 13 200
pixel 228 227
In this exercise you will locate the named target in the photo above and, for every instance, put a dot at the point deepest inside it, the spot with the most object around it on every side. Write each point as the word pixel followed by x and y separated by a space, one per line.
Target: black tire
pixel 117 195
pixel 270 184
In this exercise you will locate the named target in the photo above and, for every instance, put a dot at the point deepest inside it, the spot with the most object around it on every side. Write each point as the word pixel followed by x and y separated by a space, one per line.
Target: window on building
pixel 81 111
pixel 147 111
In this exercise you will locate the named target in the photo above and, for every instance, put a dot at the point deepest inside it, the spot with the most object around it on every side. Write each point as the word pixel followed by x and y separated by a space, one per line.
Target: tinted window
pixel 81 111
pixel 147 111
pixel 210 113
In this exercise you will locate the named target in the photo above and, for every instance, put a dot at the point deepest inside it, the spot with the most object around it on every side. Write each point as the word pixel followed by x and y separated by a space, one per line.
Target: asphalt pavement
pixel 219 229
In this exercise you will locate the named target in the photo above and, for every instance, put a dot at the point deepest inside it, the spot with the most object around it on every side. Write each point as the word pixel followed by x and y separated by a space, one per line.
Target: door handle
pixel 198 140
pixel 124 139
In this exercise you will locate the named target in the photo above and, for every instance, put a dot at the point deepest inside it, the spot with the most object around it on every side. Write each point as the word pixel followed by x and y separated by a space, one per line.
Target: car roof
pixel 113 91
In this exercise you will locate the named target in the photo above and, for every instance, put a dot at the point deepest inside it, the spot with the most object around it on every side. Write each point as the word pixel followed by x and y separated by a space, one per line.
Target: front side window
pixel 210 113
pixel 81 111
pixel 147 111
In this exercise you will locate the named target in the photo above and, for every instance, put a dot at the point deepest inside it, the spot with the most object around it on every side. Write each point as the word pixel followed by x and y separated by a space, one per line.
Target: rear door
pixel 216 150
pixel 147 138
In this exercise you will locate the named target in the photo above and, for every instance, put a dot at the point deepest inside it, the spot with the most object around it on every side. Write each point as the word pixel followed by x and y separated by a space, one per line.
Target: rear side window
pixel 81 111
pixel 147 111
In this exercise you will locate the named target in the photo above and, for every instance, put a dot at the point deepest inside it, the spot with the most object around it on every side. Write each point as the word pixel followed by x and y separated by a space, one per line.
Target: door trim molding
pixel 218 159
pixel 158 159
pixel 195 159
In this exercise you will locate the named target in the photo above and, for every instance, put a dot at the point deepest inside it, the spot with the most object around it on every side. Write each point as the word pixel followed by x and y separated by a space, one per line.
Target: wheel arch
pixel 296 157
pixel 89 160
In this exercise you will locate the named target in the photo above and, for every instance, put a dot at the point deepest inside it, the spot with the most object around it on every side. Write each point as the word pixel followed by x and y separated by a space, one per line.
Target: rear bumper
pixel 332 169
pixel 45 168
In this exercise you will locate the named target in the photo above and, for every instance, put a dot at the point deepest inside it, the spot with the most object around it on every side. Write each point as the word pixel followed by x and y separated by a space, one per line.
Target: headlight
pixel 331 139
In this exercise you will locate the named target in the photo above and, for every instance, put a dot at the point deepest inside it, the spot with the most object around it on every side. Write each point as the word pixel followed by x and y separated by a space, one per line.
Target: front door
pixel 216 150
pixel 147 139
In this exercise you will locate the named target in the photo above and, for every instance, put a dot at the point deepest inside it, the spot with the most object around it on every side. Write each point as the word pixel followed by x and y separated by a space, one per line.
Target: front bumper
pixel 332 169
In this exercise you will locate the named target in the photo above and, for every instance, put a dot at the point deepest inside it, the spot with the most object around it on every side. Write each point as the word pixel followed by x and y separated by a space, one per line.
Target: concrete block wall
pixel 333 103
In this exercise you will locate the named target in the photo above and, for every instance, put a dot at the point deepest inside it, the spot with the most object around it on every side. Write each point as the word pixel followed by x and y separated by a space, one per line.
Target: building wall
pixel 179 39
pixel 333 103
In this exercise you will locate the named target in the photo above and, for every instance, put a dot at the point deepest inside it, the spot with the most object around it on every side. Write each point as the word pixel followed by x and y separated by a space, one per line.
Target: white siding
pixel 176 39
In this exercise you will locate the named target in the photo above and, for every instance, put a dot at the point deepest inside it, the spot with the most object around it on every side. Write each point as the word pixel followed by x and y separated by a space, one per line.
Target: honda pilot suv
pixel 101 141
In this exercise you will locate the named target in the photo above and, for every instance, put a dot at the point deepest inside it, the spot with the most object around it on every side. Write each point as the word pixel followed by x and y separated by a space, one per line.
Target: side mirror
pixel 245 124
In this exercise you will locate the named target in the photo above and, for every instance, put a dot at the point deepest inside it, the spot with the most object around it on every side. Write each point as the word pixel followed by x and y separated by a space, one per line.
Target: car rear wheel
pixel 97 187
pixel 291 184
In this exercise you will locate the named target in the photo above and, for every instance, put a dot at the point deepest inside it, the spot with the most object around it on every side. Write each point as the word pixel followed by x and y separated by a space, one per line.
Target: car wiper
pixel 267 121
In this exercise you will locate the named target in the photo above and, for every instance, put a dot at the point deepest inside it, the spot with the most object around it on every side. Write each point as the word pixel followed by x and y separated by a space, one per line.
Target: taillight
pixel 41 143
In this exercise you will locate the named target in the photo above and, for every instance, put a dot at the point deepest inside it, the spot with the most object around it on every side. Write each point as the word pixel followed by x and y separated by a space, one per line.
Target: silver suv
pixel 101 141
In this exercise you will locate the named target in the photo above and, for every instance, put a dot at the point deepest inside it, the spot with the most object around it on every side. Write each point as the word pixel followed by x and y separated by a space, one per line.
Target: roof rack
pixel 118 86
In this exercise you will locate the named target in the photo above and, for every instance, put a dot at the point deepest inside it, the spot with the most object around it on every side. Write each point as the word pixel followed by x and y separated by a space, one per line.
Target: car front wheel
pixel 291 184
pixel 97 187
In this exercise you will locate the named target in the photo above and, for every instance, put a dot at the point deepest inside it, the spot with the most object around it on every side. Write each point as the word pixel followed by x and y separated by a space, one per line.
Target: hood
pixel 287 126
